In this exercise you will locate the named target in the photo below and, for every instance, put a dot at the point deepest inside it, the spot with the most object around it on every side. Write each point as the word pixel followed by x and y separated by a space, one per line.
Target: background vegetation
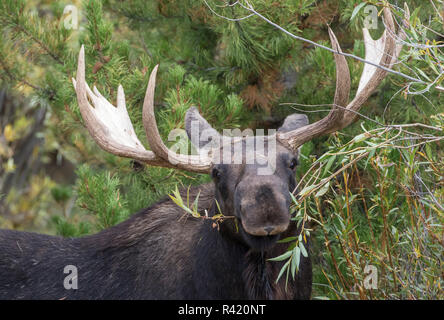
pixel 371 194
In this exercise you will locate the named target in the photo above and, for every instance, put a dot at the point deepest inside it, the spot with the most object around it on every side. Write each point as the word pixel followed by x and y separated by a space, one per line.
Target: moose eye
pixel 215 173
pixel 293 163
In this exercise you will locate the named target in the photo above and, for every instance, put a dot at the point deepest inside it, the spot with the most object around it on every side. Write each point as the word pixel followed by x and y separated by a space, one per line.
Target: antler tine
pixel 187 162
pixel 383 51
pixel 342 91
pixel 110 127
pixel 113 131
pixel 293 139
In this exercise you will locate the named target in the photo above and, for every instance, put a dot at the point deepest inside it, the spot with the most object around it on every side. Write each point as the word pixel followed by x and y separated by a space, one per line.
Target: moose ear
pixel 198 129
pixel 294 121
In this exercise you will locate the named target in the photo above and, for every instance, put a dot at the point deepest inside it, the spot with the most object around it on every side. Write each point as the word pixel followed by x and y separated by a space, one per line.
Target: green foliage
pixel 69 229
pixel 371 200
pixel 99 194
pixel 61 193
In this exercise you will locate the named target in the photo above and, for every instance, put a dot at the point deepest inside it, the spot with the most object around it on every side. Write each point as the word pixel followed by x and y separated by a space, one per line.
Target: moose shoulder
pixel 160 253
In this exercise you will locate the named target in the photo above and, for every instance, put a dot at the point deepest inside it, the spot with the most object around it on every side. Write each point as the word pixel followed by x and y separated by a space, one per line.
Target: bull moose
pixel 155 254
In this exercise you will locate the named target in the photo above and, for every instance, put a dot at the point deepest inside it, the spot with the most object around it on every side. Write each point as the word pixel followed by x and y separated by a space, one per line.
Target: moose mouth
pixel 258 242
pixel 258 238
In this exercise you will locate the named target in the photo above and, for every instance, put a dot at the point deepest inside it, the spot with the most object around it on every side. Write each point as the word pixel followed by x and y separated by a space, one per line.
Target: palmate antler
pixel 113 131
pixel 384 52
pixel 111 127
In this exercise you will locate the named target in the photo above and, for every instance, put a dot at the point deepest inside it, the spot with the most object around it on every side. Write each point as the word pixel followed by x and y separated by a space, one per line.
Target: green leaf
pixel 329 164
pixel 307 190
pixel 284 267
pixel 361 151
pixel 288 239
pixel 282 257
pixel 296 258
pixel 413 17
pixel 423 73
pixel 323 190
pixel 293 198
pixel 370 155
pixel 356 10
pixel 431 64
pixel 359 137
pixel 428 151
pixel 195 206
pixel 303 251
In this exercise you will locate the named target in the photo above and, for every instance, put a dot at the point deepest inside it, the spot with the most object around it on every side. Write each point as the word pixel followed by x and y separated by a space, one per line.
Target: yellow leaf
pixel 10 165
pixel 417 253
pixel 9 133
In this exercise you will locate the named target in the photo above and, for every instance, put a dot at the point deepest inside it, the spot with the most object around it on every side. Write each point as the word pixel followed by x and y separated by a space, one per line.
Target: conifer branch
pixel 13 78
pixel 247 6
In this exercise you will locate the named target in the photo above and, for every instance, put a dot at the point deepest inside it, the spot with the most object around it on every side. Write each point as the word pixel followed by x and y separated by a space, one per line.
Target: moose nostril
pixel 268 229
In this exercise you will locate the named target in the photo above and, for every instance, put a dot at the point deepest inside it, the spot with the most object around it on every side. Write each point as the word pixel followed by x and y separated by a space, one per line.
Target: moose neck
pixel 257 274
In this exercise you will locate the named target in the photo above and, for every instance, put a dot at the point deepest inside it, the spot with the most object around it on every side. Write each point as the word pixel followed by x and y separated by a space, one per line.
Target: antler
pixel 384 51
pixel 113 131
pixel 111 127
